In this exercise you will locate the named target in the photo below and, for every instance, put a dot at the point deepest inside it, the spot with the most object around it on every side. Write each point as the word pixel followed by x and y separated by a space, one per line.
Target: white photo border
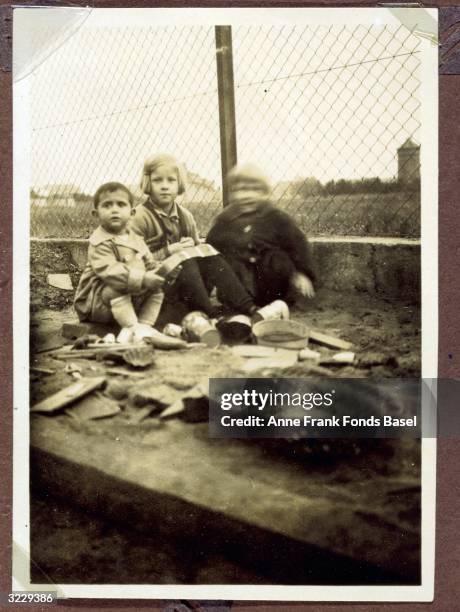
pixel 429 256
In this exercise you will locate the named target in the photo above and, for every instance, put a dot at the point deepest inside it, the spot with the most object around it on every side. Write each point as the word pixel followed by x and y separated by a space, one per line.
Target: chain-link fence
pixel 331 113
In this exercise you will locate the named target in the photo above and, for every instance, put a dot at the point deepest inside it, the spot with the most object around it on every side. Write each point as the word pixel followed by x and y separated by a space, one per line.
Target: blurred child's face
pixel 114 211
pixel 164 185
pixel 246 189
pixel 249 184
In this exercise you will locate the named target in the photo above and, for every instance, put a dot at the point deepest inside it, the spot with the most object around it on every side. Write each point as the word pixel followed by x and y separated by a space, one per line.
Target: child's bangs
pixel 155 163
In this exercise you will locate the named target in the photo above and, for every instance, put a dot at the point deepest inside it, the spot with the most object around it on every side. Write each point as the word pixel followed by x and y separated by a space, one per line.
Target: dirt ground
pixel 371 324
pixel 68 545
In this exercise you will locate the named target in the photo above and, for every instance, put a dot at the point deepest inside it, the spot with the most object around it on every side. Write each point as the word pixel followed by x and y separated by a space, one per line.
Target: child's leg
pixel 123 311
pixel 121 306
pixel 274 272
pixel 216 272
pixel 190 289
pixel 124 314
pixel 150 308
pixel 245 272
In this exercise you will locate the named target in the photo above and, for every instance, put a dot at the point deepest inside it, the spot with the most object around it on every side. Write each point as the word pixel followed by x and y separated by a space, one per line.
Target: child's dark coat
pixel 264 246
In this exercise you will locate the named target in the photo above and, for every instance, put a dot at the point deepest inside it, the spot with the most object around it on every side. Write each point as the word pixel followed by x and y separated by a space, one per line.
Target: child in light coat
pixel 119 282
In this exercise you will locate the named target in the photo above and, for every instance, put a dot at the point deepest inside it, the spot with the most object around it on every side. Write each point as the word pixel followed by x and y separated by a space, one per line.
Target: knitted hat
pixel 152 163
pixel 247 183
pixel 248 173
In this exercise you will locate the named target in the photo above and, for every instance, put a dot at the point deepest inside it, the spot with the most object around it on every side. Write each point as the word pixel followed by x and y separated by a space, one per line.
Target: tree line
pixel 311 186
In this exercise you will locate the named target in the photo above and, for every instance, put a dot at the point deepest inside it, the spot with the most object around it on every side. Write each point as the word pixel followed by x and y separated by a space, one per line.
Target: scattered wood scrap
pixel 259 357
pixel 339 359
pixel 93 351
pixel 164 342
pixel 330 341
pixel 97 406
pixel 160 395
pixel 307 354
pixel 68 395
pixel 137 357
pixel 134 417
pixel 173 411
pixel 192 406
pixel 125 372
pixel 40 370
pixel 60 281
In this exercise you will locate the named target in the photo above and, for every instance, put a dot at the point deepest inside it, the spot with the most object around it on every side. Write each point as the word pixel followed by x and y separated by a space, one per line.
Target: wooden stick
pixel 122 372
pixel 93 350
pixel 41 370
pixel 69 394
pixel 330 341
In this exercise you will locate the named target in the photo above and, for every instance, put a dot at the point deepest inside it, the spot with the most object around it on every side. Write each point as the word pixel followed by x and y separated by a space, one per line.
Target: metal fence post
pixel 226 94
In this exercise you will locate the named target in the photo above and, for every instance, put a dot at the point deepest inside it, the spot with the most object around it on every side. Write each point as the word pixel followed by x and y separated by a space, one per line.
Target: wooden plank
pixel 330 341
pixel 339 359
pixel 83 354
pixel 93 350
pixel 307 354
pixel 95 407
pixel 40 370
pixel 69 394
pixel 121 372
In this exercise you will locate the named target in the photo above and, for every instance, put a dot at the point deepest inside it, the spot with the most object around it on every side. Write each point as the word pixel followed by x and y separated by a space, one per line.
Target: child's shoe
pixel 276 310
pixel 126 335
pixel 143 330
pixel 235 328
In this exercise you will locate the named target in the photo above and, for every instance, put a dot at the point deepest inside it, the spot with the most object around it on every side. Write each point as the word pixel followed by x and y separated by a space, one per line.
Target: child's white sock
pixel 151 308
pixel 275 310
pixel 124 314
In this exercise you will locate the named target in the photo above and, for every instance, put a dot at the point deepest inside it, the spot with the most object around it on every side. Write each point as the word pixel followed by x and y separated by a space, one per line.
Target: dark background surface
pixel 447 589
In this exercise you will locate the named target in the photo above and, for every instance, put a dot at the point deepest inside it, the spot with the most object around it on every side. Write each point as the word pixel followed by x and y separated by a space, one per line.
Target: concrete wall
pixel 388 267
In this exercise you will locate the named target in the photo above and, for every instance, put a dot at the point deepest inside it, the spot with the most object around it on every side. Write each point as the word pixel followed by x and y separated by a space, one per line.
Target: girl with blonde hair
pixel 171 234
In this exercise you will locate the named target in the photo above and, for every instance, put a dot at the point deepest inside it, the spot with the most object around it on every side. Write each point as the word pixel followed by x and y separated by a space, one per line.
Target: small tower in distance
pixel 409 163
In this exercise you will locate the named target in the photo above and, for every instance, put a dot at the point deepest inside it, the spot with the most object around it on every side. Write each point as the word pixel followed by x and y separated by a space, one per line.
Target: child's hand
pixel 303 284
pixel 182 244
pixel 152 280
pixel 151 264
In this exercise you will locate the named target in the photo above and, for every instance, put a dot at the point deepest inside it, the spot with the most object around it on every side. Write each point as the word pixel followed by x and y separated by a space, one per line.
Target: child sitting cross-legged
pixel 171 234
pixel 119 282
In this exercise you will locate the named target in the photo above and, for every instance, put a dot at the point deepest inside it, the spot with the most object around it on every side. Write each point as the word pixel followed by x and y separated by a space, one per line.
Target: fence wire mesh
pixel 331 113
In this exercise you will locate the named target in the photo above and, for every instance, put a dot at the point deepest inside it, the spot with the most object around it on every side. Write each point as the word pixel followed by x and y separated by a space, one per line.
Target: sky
pixel 330 100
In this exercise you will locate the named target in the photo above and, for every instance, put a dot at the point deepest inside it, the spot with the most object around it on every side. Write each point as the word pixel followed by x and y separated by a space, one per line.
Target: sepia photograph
pixel 207 194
